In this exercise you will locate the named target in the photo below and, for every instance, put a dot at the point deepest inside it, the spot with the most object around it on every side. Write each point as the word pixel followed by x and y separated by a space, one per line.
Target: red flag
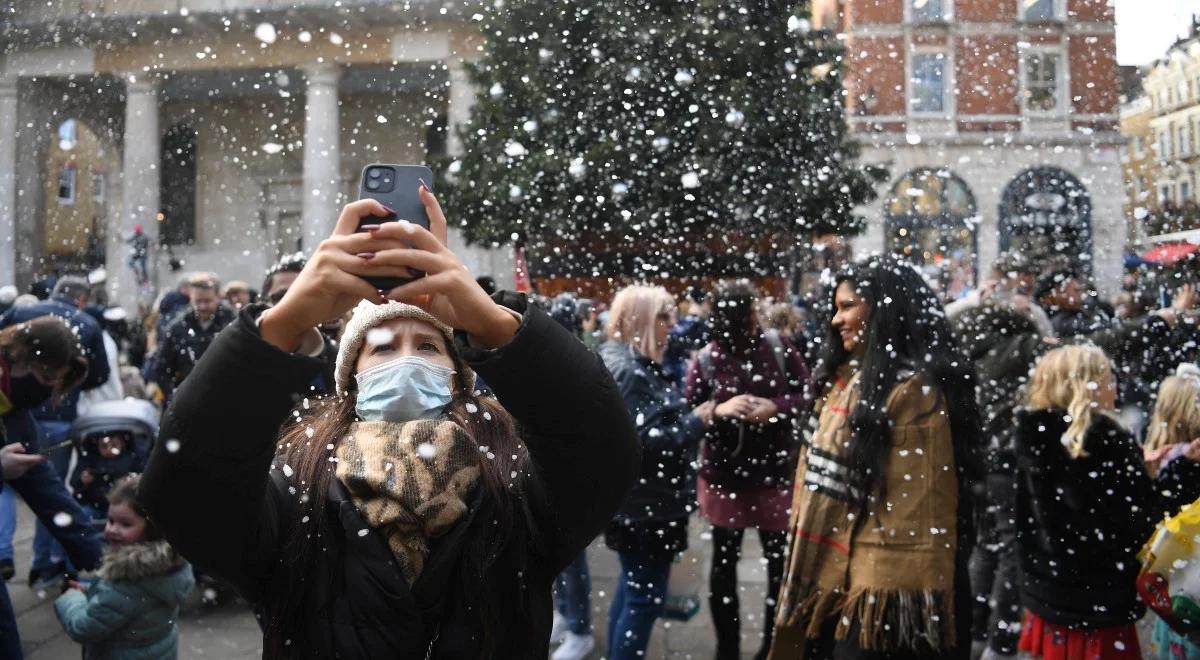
pixel 521 274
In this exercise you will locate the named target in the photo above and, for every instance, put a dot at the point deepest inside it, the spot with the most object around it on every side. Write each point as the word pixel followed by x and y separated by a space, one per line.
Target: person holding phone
pixel 405 517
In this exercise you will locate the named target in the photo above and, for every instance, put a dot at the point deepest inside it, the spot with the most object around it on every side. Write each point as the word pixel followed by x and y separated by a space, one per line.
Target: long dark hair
pixel 307 446
pixel 732 317
pixel 906 331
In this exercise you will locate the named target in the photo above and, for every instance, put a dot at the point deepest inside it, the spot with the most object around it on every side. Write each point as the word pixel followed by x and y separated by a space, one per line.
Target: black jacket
pixel 209 487
pixel 184 344
pixel 670 437
pixel 1081 522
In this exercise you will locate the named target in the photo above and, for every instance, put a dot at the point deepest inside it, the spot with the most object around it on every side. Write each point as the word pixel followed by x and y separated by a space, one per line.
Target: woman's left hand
pixel 764 410
pixel 448 291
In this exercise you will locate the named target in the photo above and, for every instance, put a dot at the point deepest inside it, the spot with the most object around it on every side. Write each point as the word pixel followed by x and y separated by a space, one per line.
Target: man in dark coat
pixel 189 336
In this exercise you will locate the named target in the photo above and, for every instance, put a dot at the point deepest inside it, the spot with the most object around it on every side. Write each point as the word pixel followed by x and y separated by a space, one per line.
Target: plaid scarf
pixel 885 569
pixel 410 481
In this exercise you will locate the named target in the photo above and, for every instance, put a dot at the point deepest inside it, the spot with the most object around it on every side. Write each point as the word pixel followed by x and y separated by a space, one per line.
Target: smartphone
pixel 396 187
pixel 58 445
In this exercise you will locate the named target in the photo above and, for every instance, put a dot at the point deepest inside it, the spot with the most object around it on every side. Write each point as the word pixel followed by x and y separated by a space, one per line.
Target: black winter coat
pixel 209 488
pixel 184 344
pixel 670 437
pixel 1081 522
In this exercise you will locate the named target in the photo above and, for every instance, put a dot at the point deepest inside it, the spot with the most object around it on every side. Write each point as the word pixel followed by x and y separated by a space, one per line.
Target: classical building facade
pixel 234 130
pixel 998 120
pixel 1139 166
pixel 1172 86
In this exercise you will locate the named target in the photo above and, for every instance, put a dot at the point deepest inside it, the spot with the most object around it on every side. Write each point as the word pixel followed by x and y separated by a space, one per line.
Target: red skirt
pixel 1042 639
pixel 756 508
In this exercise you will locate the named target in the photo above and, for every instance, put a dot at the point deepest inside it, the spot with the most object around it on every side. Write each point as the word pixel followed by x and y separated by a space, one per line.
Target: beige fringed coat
pixel 888 575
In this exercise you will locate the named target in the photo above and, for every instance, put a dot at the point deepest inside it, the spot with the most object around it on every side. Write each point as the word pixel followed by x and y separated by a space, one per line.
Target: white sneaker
pixel 558 631
pixel 575 647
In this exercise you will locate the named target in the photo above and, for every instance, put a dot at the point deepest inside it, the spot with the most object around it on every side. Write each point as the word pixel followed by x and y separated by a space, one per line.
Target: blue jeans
pixel 637 604
pixel 8 522
pixel 573 595
pixel 47 551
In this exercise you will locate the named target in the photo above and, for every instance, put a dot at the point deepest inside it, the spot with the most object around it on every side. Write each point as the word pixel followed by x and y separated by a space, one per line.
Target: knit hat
pixel 369 315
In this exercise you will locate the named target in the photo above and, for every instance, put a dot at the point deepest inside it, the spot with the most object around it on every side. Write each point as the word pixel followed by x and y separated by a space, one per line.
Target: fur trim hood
pixel 138 561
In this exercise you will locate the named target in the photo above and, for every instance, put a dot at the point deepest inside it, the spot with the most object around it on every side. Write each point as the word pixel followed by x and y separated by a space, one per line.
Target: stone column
pixel 461 96
pixel 140 181
pixel 322 154
pixel 8 179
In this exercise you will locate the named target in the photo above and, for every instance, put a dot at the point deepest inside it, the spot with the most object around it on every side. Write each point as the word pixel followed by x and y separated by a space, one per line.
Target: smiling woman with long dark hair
pixel 881 516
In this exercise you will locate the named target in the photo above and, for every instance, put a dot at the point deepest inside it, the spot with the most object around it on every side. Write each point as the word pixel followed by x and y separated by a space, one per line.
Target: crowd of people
pixel 925 480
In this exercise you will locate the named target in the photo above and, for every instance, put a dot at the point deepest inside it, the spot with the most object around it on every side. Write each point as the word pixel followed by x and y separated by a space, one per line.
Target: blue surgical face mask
pixel 403 390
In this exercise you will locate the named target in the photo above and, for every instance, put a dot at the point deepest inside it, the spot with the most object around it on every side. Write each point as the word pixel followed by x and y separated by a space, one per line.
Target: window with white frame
pixel 1164 194
pixel 1043 79
pixel 1185 143
pixel 67 176
pixel 927 85
pixel 98 186
pixel 1137 146
pixel 927 11
pixel 1183 192
pixel 1039 10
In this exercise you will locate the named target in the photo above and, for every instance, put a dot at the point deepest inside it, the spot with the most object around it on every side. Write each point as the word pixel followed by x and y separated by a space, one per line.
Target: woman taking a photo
pixel 404 517
pixel 757 379
pixel 652 525
pixel 881 518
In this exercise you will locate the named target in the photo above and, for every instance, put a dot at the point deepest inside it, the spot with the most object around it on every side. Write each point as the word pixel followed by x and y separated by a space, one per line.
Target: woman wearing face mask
pixel 39 359
pixel 881 518
pixel 404 517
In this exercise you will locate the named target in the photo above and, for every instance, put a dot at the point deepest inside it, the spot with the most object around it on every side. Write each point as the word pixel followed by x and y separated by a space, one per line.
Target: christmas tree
pixel 655 137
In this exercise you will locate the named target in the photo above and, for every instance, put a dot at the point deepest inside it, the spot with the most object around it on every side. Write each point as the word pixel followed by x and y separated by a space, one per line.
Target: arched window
pixel 1046 214
pixel 930 219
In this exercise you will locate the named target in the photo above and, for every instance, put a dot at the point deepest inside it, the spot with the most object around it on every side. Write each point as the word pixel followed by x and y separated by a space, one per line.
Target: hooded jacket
pixel 129 613
pixel 1081 521
pixel 219 438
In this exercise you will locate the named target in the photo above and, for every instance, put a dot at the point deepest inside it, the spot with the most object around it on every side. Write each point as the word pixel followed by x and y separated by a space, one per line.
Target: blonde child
pixel 1084 507
pixel 130 611
pixel 1171 452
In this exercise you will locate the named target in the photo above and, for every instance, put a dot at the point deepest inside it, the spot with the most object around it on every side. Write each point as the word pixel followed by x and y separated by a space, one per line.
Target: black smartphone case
pixel 401 196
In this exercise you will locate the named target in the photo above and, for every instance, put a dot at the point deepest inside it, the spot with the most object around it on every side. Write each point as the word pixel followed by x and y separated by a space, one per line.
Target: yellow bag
pixel 1169 581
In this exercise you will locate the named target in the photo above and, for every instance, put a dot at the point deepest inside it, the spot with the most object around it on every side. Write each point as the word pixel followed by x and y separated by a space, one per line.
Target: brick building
pixel 998 120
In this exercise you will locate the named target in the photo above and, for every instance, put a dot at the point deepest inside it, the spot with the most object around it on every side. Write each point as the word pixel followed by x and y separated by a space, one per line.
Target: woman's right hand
pixel 332 281
pixel 14 462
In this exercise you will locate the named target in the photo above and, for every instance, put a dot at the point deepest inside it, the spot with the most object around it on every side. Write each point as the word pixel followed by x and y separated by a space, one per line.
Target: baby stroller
pixel 112 439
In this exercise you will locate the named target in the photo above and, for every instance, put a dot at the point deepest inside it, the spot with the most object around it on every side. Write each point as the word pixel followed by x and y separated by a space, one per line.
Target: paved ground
pixel 229 630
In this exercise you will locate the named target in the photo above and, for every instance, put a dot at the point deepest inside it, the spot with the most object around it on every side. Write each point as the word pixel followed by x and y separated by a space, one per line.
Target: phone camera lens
pixel 372 185
pixel 374 174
